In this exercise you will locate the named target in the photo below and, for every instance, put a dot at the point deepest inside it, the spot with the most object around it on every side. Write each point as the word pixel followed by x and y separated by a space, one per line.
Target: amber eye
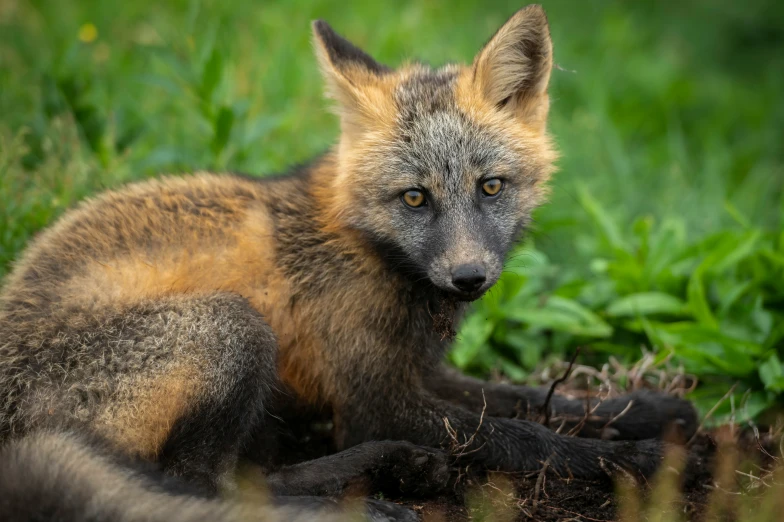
pixel 492 187
pixel 414 198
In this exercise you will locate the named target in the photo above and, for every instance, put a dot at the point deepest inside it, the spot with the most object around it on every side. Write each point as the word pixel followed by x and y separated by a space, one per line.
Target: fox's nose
pixel 468 278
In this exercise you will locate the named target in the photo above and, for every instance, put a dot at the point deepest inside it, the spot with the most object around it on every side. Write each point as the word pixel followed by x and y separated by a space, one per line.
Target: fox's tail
pixel 60 476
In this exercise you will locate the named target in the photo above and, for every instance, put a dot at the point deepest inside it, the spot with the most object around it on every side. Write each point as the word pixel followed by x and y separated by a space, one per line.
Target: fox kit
pixel 158 317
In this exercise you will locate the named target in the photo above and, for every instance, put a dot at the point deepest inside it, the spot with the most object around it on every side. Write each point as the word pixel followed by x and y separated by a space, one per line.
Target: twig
pixel 621 414
pixel 603 463
pixel 460 449
pixel 540 484
pixel 753 477
pixel 546 405
pixel 589 411
pixel 541 480
pixel 756 432
pixel 569 471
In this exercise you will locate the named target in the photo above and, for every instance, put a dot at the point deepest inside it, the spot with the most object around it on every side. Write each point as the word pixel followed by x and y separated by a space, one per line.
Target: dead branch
pixel 546 405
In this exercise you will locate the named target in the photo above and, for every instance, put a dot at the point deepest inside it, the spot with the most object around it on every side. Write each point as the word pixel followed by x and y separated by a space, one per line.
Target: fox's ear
pixel 513 69
pixel 352 76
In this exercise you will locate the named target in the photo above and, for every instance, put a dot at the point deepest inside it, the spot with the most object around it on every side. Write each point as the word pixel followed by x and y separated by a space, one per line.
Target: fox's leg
pixel 239 369
pixel 493 443
pixel 650 415
pixel 391 467
pixel 178 380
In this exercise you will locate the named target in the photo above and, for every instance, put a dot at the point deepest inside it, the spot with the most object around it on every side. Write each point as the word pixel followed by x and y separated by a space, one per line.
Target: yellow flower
pixel 88 33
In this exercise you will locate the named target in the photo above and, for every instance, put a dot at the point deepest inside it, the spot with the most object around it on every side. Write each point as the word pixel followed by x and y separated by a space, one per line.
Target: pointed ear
pixel 513 69
pixel 349 72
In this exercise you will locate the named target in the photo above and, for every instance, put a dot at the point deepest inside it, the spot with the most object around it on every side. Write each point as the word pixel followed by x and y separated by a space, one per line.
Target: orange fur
pixel 146 408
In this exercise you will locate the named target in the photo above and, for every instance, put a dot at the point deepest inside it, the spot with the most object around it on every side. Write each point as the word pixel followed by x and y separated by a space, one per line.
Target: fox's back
pixel 175 234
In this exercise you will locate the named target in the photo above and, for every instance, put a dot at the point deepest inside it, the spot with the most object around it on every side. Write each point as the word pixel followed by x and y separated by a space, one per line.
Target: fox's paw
pixel 647 414
pixel 416 470
pixel 641 415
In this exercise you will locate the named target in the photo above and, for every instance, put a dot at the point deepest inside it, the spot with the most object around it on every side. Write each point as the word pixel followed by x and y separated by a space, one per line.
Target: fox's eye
pixel 492 187
pixel 414 198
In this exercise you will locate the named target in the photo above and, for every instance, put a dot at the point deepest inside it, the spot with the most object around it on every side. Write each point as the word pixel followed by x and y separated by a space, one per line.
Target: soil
pixel 507 497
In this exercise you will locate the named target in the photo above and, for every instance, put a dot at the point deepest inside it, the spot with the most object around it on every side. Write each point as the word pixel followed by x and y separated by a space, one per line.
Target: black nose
pixel 468 278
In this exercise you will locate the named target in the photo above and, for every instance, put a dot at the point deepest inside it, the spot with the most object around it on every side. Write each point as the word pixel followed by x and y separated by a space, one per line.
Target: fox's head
pixel 441 168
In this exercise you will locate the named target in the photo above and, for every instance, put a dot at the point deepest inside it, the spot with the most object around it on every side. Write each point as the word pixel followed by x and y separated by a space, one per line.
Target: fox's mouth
pixel 463 296
pixel 467 297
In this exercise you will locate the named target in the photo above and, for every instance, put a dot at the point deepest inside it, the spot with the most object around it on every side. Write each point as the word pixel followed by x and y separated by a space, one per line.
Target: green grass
pixel 664 229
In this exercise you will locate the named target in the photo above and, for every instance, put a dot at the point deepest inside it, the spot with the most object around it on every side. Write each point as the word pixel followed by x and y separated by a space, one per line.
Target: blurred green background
pixel 664 231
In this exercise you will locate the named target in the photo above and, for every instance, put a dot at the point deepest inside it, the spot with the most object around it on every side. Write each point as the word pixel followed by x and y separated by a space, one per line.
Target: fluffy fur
pixel 158 316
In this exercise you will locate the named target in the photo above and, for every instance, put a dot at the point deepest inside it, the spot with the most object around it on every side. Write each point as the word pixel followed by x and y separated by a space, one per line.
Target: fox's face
pixel 441 168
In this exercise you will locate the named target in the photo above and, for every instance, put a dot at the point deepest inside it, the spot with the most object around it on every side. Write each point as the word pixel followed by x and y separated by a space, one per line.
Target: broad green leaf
pixel 772 374
pixel 776 333
pixel 709 359
pixel 736 214
pixel 733 252
pixel 691 333
pixel 563 315
pixel 222 129
pixel 774 257
pixel 747 406
pixel 731 296
pixel 473 334
pixel 529 346
pixel 512 370
pixel 646 303
pixel 512 284
pixel 642 229
pixel 698 302
pixel 619 351
pixel 666 243
pixel 602 219
pixel 211 76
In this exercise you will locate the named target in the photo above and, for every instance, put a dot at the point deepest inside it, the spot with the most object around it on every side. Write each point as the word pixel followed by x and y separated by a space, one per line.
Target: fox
pixel 155 323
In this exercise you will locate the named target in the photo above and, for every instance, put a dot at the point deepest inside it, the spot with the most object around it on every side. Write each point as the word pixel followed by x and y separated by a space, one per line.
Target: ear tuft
pixel 352 77
pixel 341 52
pixel 513 69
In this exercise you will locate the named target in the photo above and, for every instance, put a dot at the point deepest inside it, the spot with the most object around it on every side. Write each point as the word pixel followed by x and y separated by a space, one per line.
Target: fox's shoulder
pixel 149 211
pixel 142 223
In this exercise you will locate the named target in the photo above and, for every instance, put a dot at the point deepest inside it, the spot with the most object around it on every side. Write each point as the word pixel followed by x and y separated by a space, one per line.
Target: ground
pixel 547 497
pixel 721 465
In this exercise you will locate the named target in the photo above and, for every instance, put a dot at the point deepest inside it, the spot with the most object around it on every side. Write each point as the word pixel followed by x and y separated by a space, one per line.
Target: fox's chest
pixel 348 333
